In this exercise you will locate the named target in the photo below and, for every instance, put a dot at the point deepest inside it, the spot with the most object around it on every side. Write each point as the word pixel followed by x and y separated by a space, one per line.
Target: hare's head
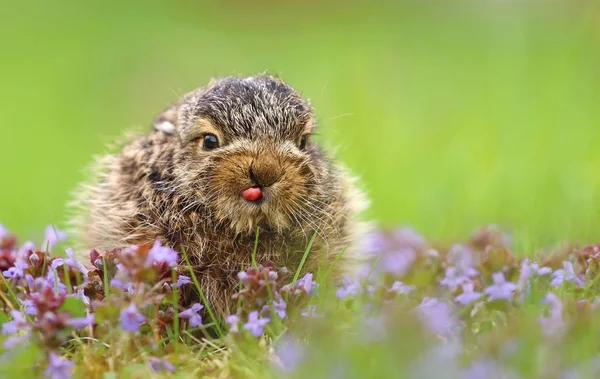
pixel 246 155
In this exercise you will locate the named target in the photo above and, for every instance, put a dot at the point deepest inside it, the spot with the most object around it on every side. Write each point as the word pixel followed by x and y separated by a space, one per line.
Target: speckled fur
pixel 165 185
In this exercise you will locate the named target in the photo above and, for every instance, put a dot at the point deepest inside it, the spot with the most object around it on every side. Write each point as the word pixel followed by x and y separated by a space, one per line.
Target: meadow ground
pixel 455 116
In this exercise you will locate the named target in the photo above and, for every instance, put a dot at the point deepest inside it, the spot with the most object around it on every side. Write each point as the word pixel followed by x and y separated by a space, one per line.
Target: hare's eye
pixel 210 142
pixel 303 141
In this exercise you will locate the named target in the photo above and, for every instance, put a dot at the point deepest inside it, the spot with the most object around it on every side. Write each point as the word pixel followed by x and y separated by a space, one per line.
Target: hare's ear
pixel 165 122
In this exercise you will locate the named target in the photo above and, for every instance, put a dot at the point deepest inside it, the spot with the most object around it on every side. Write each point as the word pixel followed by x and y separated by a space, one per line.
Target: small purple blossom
pixel 461 257
pixel 468 295
pixel 83 322
pixel 17 323
pixel 397 262
pixel 487 368
pixel 453 279
pixel 131 318
pixel 3 232
pixel 552 323
pixel 30 308
pixel 56 263
pixel 374 243
pixel 311 311
pixel 531 269
pixel 53 236
pixel 567 273
pixel 233 322
pixel 53 281
pixel 16 271
pixel 181 281
pixel 307 284
pixel 17 339
pixel 161 365
pixel 400 288
pixel 349 288
pixel 255 325
pixel 192 314
pixel 58 367
pixel 290 353
pixel 243 277
pixel 500 289
pixel 73 262
pixel 159 253
pixel 280 306
pixel 408 237
pixel 27 247
pixel 437 316
pixel 117 283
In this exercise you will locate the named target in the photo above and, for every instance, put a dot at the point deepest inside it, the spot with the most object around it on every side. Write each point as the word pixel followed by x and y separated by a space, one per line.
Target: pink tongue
pixel 252 193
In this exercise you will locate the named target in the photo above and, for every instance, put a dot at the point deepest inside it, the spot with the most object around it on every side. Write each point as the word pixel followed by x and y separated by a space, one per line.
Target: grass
pixel 454 116
pixel 524 322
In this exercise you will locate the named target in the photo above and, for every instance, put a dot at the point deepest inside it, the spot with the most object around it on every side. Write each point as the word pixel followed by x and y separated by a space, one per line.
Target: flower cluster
pixel 263 297
pixel 51 297
pixel 457 295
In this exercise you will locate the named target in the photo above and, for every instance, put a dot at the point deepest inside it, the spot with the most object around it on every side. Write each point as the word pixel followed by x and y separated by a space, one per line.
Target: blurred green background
pixel 455 114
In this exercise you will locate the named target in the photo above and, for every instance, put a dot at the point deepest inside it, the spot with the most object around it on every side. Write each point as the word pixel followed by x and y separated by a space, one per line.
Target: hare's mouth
pixel 252 194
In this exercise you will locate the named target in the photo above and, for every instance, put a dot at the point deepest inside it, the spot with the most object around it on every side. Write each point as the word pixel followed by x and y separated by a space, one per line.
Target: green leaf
pixel 106 313
pixel 74 306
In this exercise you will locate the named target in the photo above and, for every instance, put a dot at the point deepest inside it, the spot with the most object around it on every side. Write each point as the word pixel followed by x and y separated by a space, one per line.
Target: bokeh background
pixel 455 114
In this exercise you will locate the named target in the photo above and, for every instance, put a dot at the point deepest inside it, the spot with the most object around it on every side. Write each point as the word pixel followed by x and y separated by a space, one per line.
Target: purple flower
pixel 567 273
pixel 26 248
pixel 468 295
pixel 530 269
pixel 233 321
pixel 15 340
pixel 374 242
pixel 397 262
pixel 159 254
pixel 400 288
pixel 437 316
pixel 3 232
pixel 243 277
pixel 80 323
pixel 552 323
pixel 256 325
pixel 53 236
pixel 307 284
pixel 181 281
pixel 487 368
pixel 311 311
pixel 56 263
pixel 290 353
pixel 349 288
pixel 280 306
pixel 30 308
pixel 117 283
pixel 160 365
pixel 81 294
pixel 18 322
pixel 409 238
pixel 453 279
pixel 131 318
pixel 461 257
pixel 58 367
pixel 53 281
pixel 73 262
pixel 16 271
pixel 501 289
pixel 192 315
